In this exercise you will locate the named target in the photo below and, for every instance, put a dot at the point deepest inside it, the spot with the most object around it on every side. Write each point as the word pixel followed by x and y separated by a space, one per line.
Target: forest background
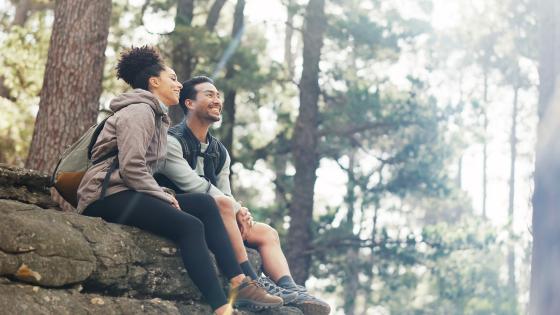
pixel 393 144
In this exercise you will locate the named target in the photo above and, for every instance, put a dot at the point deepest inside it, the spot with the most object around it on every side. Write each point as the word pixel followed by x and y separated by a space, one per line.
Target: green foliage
pixel 24 53
pixel 23 58
pixel 467 277
pixel 444 269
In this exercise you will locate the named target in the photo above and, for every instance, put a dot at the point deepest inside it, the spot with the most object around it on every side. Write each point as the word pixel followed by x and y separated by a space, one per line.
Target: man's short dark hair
pixel 189 92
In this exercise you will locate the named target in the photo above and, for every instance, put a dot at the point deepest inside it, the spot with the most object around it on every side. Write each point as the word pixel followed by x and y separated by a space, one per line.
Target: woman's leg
pixel 247 293
pixel 204 207
pixel 156 216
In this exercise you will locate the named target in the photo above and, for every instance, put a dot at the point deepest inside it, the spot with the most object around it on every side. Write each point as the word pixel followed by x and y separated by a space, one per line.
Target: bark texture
pixel 304 143
pixel 72 83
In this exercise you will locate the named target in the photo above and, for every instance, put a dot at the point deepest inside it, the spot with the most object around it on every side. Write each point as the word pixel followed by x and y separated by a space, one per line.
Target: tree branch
pixel 350 129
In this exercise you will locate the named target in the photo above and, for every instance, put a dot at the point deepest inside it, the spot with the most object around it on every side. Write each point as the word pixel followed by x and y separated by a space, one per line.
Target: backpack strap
pixel 94 136
pixel 214 159
pixel 105 184
pixel 210 158
pixel 53 175
pixel 189 143
pixel 221 151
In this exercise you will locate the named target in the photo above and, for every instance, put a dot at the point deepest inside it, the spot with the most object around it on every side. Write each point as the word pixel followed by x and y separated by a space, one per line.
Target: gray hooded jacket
pixel 139 128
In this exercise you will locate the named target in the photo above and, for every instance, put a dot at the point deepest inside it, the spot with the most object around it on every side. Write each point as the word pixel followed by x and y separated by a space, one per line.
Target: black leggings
pixel 200 217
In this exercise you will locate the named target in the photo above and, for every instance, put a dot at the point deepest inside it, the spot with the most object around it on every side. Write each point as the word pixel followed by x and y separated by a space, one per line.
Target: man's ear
pixel 189 104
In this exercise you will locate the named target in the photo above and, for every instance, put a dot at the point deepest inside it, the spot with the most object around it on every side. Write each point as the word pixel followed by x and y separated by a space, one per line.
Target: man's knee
pixel 269 234
pixel 225 204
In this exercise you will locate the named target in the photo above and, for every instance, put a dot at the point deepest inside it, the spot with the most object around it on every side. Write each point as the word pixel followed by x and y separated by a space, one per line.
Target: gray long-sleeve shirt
pixel 178 170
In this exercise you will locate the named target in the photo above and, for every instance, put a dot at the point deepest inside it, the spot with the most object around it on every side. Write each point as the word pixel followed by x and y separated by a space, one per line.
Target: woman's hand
pixel 174 202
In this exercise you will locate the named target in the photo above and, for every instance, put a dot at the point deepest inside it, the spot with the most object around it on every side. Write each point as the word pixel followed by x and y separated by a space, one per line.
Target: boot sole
pixel 257 306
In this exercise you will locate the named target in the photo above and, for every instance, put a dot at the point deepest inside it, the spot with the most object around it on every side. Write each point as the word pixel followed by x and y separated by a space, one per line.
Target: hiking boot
pixel 309 304
pixel 287 295
pixel 252 295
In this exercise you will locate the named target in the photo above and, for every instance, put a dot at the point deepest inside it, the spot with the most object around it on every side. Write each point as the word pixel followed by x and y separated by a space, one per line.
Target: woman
pixel 131 196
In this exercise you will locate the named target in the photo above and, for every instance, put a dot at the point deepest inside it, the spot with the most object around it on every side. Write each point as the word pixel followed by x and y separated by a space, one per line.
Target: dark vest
pixel 214 157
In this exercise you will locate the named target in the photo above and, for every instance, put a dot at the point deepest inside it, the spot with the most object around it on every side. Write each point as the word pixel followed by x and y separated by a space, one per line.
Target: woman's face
pixel 166 87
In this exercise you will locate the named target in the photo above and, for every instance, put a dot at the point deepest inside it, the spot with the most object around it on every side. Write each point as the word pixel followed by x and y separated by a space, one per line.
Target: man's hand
pixel 244 221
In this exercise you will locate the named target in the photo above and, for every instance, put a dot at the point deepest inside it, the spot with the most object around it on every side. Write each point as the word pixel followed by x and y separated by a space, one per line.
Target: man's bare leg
pixel 266 240
pixel 261 236
pixel 228 216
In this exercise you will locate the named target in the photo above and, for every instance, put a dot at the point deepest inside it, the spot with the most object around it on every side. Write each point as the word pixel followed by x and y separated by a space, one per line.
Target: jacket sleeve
pixel 222 181
pixel 178 170
pixel 135 128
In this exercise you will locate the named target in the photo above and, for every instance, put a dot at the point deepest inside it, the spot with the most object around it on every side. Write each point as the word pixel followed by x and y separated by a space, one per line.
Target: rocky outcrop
pixel 59 262
pixel 25 185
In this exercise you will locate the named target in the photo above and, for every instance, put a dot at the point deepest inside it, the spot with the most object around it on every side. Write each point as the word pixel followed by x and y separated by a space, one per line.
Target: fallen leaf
pixel 25 273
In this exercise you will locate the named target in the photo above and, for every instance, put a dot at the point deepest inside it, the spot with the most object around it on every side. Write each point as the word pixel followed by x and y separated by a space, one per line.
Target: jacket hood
pixel 136 96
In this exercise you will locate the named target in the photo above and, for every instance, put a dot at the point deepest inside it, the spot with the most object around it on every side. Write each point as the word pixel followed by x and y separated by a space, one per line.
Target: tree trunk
pixel 545 276
pixel 512 284
pixel 351 281
pixel 214 14
pixel 280 163
pixel 22 12
pixel 460 172
pixel 229 102
pixel 288 50
pixel 181 56
pixel 72 83
pixel 304 144
pixel 25 8
pixel 185 9
pixel 485 145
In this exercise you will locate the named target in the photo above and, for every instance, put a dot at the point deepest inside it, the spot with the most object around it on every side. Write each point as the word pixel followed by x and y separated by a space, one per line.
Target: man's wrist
pixel 236 206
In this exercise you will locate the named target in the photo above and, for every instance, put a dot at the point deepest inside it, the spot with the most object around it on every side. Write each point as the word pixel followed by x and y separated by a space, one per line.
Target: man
pixel 198 162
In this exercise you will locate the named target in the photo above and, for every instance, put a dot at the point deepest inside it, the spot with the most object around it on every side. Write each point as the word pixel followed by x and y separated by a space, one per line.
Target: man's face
pixel 207 104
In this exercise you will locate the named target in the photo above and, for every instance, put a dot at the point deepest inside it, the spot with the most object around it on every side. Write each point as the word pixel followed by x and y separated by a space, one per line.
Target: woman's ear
pixel 153 82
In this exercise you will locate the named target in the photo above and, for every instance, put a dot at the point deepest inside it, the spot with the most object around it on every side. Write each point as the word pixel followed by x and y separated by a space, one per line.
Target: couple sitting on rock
pixel 200 214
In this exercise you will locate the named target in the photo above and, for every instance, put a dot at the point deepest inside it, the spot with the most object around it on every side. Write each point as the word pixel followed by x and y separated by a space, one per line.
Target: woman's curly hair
pixel 138 64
